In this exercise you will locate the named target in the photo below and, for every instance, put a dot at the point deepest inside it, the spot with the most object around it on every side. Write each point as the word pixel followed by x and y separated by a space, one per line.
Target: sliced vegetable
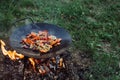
pixel 40 41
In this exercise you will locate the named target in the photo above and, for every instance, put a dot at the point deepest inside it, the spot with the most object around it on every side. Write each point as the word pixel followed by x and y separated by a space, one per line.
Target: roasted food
pixel 41 41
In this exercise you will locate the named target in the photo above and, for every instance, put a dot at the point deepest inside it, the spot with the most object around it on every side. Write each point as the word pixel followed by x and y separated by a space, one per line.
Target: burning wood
pixel 46 67
pixel 50 66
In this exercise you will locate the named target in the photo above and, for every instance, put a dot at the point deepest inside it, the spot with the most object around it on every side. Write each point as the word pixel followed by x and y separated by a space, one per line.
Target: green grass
pixel 93 24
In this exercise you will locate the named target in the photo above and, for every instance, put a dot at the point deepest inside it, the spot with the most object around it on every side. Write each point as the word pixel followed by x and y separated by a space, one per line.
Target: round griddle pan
pixel 19 33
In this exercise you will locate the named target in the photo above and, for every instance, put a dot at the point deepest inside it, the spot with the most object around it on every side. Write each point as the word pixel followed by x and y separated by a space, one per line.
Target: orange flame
pixel 42 68
pixel 61 62
pixel 13 55
pixel 32 61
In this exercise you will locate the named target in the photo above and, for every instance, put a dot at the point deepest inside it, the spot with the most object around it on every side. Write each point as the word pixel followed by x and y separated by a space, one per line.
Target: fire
pixel 13 55
pixel 43 68
pixel 32 61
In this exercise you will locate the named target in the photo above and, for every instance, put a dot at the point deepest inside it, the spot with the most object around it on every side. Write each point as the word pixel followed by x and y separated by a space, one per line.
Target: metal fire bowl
pixel 19 33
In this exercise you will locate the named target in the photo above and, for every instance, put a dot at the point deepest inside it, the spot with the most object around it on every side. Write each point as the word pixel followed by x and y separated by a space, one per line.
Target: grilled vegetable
pixel 40 41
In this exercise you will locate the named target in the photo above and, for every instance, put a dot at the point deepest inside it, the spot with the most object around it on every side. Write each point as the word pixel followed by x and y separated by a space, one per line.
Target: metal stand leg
pixel 25 64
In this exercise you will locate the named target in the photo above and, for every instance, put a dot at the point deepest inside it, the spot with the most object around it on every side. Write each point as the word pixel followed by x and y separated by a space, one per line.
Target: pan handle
pixel 14 23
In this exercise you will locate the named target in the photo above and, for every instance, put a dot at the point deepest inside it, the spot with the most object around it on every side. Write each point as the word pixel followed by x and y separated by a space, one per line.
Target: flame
pixel 32 61
pixel 13 55
pixel 61 62
pixel 42 68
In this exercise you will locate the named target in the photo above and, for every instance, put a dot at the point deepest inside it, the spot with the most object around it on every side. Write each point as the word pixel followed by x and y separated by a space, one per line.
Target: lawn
pixel 93 24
